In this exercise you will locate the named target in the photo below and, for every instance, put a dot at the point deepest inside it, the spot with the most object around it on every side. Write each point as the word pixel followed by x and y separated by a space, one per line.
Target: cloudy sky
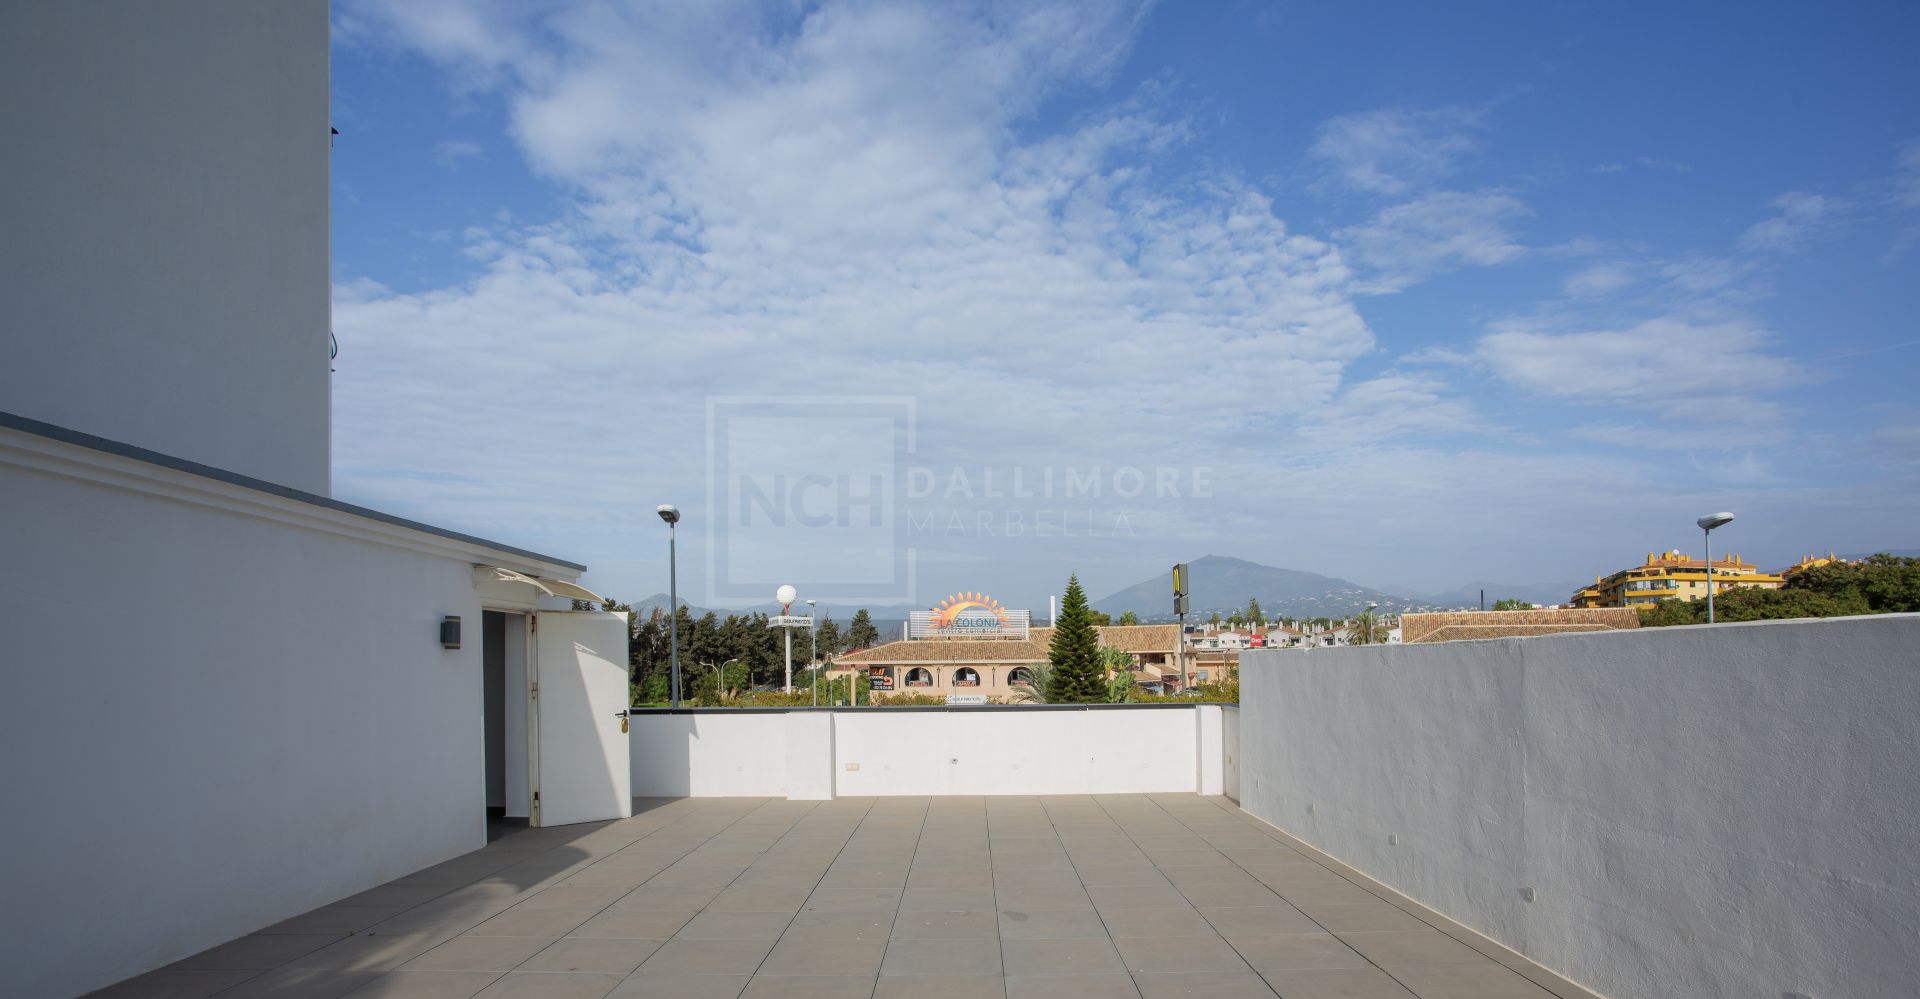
pixel 1381 292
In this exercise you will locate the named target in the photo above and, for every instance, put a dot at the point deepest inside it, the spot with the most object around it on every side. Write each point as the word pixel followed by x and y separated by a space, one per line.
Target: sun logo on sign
pixel 964 609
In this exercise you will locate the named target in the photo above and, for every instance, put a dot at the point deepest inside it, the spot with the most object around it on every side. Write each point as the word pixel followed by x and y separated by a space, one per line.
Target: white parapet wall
pixel 1725 811
pixel 811 754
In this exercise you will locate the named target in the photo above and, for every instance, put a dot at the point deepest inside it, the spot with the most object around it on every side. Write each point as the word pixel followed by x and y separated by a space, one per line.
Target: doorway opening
pixel 503 646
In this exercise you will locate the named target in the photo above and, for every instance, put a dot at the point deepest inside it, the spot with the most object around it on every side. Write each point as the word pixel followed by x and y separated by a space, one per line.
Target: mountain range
pixel 1224 584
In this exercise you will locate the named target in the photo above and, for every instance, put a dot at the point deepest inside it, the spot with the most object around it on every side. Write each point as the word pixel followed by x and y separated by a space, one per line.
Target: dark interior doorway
pixel 493 646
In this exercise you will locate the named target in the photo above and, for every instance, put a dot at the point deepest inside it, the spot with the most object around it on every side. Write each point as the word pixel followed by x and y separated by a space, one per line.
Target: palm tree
pixel 1367 629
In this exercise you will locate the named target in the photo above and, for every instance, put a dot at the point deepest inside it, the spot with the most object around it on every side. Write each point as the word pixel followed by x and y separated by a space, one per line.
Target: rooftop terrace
pixel 1069 896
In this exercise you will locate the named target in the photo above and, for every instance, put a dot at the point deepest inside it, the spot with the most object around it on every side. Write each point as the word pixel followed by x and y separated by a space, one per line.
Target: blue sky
pixel 1420 297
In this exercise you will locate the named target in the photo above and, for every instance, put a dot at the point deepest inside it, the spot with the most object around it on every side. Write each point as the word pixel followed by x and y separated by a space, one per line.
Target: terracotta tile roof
pixel 1127 638
pixel 950 650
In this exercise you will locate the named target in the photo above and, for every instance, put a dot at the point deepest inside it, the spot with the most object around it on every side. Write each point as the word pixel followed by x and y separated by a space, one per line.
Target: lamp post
pixel 1707 524
pixel 669 513
pixel 785 595
pixel 813 658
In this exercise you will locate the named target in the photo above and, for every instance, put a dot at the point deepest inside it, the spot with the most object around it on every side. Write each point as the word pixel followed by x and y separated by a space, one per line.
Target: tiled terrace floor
pixel 1082 897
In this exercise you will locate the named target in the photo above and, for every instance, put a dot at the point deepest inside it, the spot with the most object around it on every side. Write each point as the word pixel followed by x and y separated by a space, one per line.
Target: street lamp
pixel 785 595
pixel 813 659
pixel 671 514
pixel 1707 524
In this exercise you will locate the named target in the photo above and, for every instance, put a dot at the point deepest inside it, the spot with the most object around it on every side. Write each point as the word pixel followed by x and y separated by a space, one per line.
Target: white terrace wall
pixel 1130 749
pixel 1728 811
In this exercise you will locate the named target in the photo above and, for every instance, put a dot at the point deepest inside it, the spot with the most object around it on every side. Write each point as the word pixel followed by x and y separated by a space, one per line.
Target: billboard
pixel 879 678
pixel 969 615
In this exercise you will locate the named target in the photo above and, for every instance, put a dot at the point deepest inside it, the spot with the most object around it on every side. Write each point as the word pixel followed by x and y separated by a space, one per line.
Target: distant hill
pixel 1468 597
pixel 1225 584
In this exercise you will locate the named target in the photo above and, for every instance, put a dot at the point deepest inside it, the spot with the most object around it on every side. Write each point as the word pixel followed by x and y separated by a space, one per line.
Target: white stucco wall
pixel 895 751
pixel 1230 751
pixel 222 709
pixel 164 276
pixel 1730 811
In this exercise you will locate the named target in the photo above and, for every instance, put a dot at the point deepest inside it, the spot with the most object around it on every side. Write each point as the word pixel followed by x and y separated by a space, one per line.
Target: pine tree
pixel 861 634
pixel 1076 672
pixel 828 637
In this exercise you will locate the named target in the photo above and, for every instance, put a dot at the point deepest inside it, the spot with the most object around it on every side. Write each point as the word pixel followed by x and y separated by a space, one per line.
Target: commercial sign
pixel 966 698
pixel 879 678
pixel 969 615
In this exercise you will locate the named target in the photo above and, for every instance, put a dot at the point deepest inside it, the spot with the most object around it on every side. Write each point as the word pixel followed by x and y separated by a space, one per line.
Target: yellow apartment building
pixel 1672 576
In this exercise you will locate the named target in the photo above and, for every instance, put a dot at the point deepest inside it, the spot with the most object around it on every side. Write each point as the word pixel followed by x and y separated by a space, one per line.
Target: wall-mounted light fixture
pixel 450 632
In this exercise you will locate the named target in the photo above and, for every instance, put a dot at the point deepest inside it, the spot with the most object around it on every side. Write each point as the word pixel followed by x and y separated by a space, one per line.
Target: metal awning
pixel 550 587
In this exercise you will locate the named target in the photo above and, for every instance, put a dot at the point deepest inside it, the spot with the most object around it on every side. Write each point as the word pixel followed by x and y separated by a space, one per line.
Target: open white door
pixel 579 685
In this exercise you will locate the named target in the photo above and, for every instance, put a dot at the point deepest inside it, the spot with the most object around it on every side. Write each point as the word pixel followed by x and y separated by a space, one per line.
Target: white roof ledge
pixel 550 587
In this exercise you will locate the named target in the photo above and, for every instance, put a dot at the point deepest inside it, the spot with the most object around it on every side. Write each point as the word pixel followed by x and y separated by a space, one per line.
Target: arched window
pixel 1020 677
pixel 919 677
pixel 966 676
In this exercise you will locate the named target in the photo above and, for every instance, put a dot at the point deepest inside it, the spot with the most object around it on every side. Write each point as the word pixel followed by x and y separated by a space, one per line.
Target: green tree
pixel 1884 584
pixel 1253 611
pixel 1076 670
pixel 1100 619
pixel 861 634
pixel 1511 603
pixel 1214 619
pixel 827 637
pixel 1367 629
pixel 1129 617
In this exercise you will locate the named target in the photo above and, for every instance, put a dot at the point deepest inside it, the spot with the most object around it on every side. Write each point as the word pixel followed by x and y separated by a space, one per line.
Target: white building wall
pixel 222 709
pixel 164 275
pixel 899 751
pixel 1727 811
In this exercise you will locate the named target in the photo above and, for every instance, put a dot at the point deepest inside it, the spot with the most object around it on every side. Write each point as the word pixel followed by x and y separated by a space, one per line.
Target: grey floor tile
pixel 337 919
pixel 785 898
pixel 370 952
pixel 946 899
pixel 839 926
pixel 426 985
pixel 1087 956
pixel 1329 894
pixel 1370 916
pixel 166 984
pixel 1071 987
pixel 643 924
pixel 707 957
pixel 973 924
pixel 1483 980
pixel 674 985
pixel 809 987
pixel 518 922
pixel 1282 918
pixel 1393 949
pixel 611 955
pixel 257 952
pixel 942 957
pixel 1162 896
pixel 1031 898
pixel 1051 924
pixel 1203 985
pixel 1159 924
pixel 853 900
pixel 735 926
pixel 302 983
pixel 941 987
pixel 1356 983
pixel 1295 952
pixel 1242 893
pixel 825 957
pixel 478 954
pixel 1103 875
pixel 1144 955
pixel 543 985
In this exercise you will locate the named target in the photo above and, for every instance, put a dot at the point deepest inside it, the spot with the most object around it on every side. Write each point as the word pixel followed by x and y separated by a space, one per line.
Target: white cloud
pixel 1601 279
pixel 1796 217
pixel 1393 152
pixel 1670 366
pixel 452 151
pixel 1450 229
pixel 854 203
